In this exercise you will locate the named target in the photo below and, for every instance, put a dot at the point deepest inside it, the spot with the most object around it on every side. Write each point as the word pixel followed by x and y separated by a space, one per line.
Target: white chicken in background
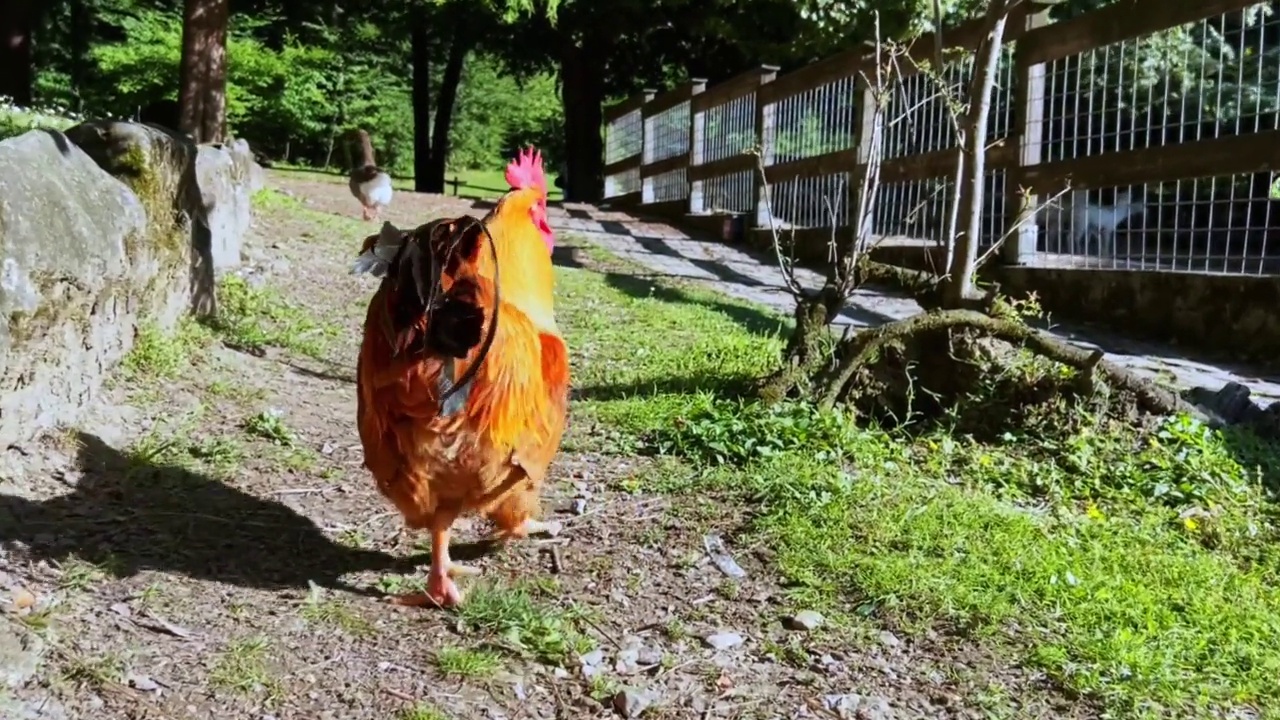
pixel 370 184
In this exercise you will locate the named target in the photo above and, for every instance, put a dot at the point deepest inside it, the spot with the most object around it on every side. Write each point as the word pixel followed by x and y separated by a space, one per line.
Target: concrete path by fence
pixel 668 251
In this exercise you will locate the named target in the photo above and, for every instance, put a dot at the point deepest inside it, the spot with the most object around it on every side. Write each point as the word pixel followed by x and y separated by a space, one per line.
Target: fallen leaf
pixel 23 599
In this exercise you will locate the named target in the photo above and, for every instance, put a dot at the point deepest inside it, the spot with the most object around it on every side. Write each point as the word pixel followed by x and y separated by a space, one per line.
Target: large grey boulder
pixel 104 228
pixel 224 174
pixel 159 165
pixel 73 278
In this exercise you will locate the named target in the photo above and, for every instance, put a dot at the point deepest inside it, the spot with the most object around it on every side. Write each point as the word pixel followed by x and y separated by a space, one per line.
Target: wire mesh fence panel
pixel 666 134
pixel 919 211
pixel 1212 224
pixel 666 187
pixel 912 211
pixel 623 183
pixel 814 122
pixel 919 114
pixel 725 131
pixel 1202 80
pixel 729 130
pixel 624 137
pixel 817 201
pixel 732 193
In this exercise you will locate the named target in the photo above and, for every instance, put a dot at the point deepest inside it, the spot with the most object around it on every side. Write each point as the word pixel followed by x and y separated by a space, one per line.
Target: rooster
pixel 463 376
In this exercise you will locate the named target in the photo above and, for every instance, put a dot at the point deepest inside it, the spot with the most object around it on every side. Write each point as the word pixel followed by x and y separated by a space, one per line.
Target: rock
pixel 223 175
pixel 858 706
pixel 98 230
pixel 20 656
pixel 723 641
pixel 1230 405
pixel 592 663
pixel 888 639
pixel 632 702
pixel 72 280
pixel 805 620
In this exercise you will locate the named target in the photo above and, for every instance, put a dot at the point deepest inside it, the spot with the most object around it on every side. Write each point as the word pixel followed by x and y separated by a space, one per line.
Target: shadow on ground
pixel 128 516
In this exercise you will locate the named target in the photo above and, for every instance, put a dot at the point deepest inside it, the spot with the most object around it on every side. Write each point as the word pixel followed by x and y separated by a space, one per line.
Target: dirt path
pixel 210 547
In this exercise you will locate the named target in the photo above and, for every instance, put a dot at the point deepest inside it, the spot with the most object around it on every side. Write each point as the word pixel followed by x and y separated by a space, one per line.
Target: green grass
pixel 1137 569
pixel 15 121
pixel 421 711
pixel 254 318
pixel 242 668
pixel 483 184
pixel 161 355
pixel 467 662
pixel 522 620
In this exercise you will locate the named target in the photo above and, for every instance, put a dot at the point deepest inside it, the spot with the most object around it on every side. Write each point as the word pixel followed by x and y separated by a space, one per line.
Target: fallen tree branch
pixel 867 345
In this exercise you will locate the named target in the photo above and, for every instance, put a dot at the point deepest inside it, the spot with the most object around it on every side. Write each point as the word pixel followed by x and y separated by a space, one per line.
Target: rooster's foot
pixel 441 592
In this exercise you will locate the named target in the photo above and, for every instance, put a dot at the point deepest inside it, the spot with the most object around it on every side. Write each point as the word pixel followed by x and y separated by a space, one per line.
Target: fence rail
pixel 1156 123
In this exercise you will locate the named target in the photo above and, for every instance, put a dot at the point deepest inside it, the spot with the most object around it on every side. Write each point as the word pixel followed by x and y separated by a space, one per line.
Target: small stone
pixel 143 683
pixel 579 506
pixel 591 663
pixel 723 641
pixel 862 707
pixel 648 657
pixel 888 639
pixel 632 702
pixel 805 620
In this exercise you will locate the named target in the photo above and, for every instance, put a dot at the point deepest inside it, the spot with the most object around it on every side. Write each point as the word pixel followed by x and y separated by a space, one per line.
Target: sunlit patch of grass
pixel 254 318
pixel 467 662
pixel 159 354
pixel 334 613
pixel 242 668
pixel 515 619
pixel 1134 567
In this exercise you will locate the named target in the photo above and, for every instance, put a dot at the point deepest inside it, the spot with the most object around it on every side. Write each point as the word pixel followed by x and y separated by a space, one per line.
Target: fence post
pixel 696 140
pixel 766 136
pixel 868 133
pixel 1028 131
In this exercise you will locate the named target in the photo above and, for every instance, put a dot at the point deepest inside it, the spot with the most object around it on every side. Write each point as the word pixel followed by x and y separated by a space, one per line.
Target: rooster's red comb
pixel 526 171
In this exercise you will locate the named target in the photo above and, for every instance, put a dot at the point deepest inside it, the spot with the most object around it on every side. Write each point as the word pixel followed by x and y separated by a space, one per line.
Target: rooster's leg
pixel 441 590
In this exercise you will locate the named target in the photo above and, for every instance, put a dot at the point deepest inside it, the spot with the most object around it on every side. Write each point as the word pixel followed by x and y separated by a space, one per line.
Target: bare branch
pixel 787 269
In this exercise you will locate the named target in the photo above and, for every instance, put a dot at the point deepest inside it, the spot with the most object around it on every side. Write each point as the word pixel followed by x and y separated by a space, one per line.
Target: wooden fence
pixel 1162 116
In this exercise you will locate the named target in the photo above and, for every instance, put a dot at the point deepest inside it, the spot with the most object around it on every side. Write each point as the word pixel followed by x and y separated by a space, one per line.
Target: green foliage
pixel 739 432
pixel 16 120
pixel 294 94
pixel 496 114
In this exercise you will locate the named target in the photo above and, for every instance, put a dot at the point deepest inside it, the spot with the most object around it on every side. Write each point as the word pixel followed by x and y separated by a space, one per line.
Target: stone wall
pixel 104 228
pixel 1227 317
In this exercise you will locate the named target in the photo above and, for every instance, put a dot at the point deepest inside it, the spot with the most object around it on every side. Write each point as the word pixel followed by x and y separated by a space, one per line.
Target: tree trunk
pixel 420 49
pixel 960 286
pixel 582 94
pixel 17 76
pixel 80 70
pixel 452 78
pixel 203 72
